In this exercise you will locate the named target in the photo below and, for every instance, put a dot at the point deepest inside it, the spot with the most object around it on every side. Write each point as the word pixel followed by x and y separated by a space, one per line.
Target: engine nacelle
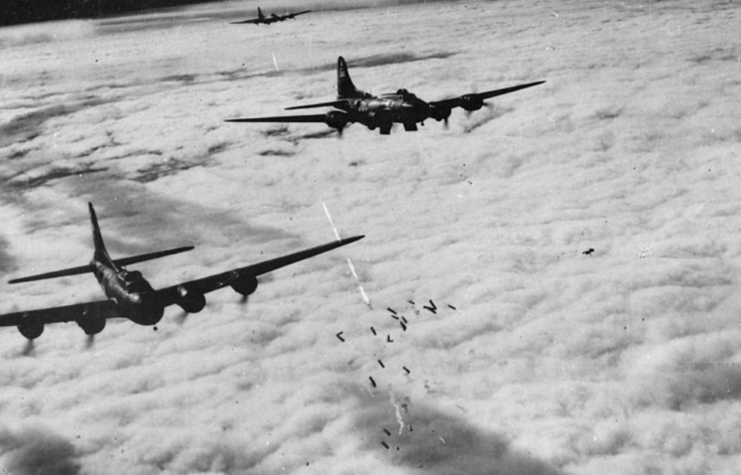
pixel 337 120
pixel 92 324
pixel 439 114
pixel 245 285
pixel 471 103
pixel 31 327
pixel 148 312
pixel 191 302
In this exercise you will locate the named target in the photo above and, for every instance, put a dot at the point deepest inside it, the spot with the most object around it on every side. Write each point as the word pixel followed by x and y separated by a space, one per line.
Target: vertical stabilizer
pixel 101 254
pixel 259 13
pixel 345 87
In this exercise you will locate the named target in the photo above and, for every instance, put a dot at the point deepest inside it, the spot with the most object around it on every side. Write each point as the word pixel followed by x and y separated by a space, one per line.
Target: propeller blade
pixel 181 317
pixel 28 350
pixel 89 341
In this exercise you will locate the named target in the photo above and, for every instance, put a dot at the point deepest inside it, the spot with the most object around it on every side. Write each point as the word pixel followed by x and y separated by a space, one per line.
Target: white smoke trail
pixel 363 295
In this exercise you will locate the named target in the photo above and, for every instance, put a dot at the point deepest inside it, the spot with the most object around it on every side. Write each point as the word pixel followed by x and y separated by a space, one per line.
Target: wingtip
pixel 352 239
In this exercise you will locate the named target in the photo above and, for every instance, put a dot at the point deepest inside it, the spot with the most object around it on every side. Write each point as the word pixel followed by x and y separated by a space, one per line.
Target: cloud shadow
pixel 427 438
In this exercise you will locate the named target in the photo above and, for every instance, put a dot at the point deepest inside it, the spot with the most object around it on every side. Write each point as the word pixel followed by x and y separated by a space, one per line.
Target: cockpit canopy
pixel 405 95
pixel 132 276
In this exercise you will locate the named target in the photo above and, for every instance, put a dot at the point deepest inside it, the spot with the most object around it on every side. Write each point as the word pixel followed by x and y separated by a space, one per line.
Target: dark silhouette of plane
pixel 130 296
pixel 267 20
pixel 354 105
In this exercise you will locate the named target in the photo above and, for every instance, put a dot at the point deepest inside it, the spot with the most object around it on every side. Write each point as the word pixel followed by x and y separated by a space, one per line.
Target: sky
pixel 521 351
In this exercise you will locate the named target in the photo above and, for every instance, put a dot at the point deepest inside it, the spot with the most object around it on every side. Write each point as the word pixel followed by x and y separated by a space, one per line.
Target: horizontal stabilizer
pixel 51 275
pixel 87 268
pixel 152 255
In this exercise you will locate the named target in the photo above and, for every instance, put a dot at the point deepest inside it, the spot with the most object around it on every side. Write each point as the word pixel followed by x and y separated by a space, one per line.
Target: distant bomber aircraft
pixel 131 296
pixel 353 105
pixel 273 18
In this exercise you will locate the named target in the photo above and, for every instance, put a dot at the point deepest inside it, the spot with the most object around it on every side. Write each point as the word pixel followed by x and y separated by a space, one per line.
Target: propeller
pixel 474 91
pixel 181 317
pixel 28 350
pixel 89 341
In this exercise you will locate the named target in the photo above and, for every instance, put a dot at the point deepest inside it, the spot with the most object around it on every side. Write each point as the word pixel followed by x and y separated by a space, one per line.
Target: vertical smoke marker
pixel 363 295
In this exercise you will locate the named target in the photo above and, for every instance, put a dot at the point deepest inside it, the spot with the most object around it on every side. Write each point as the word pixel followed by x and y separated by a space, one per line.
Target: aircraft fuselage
pixel 130 291
pixel 382 111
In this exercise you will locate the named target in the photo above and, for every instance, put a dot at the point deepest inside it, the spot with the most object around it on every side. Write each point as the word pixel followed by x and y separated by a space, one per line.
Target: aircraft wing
pixel 253 21
pixel 478 97
pixel 336 104
pixel 170 295
pixel 322 118
pixel 293 15
pixel 65 313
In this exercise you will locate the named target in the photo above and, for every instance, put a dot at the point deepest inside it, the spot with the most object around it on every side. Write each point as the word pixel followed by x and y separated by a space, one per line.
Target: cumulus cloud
pixel 623 360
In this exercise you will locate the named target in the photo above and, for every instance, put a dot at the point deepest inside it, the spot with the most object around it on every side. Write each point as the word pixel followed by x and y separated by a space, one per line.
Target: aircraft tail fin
pixel 101 254
pixel 345 88
pixel 259 13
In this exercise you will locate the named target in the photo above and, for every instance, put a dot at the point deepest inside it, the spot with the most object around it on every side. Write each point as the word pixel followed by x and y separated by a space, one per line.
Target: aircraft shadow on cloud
pixel 381 112
pixel 268 20
pixel 130 296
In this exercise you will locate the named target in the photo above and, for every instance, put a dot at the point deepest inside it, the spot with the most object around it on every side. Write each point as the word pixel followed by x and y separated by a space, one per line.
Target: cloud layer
pixel 533 357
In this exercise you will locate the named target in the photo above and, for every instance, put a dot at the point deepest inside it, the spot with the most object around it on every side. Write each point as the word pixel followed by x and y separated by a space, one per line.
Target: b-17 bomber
pixel 381 112
pixel 267 20
pixel 130 296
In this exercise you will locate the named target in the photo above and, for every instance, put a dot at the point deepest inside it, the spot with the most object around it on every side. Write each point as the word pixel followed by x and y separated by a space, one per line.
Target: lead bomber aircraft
pixel 354 105
pixel 130 296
